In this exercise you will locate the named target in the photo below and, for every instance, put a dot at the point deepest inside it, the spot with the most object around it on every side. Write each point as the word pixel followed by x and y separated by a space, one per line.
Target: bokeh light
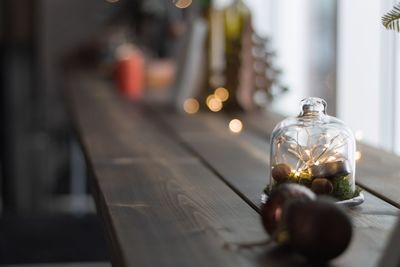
pixel 209 98
pixel 358 155
pixel 222 94
pixel 125 51
pixel 112 1
pixel 214 104
pixel 182 3
pixel 359 135
pixel 235 126
pixel 191 106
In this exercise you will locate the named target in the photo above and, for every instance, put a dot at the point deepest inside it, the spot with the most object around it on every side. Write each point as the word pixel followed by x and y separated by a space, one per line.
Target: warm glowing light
pixel 209 98
pixel 213 103
pixel 331 158
pixel 191 106
pixel 125 50
pixel 316 163
pixel 359 135
pixel 235 126
pixel 358 155
pixel 182 3
pixel 222 94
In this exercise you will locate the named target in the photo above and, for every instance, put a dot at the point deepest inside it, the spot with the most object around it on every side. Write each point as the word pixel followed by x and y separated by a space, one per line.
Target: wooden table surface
pixel 172 189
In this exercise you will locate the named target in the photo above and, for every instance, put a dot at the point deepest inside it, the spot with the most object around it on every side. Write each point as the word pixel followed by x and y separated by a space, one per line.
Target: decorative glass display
pixel 315 150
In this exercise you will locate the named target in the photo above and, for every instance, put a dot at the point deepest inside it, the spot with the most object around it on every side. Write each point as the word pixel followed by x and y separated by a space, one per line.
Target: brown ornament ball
pixel 322 186
pixel 319 230
pixel 271 211
pixel 281 172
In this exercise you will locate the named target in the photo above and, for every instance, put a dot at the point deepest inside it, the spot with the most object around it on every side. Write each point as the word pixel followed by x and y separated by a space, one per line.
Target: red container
pixel 130 74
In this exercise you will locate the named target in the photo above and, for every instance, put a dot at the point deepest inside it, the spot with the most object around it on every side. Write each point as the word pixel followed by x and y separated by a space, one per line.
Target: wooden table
pixel 172 189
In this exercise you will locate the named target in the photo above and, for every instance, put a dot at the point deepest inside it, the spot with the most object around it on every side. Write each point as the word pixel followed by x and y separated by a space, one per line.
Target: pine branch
pixel 391 20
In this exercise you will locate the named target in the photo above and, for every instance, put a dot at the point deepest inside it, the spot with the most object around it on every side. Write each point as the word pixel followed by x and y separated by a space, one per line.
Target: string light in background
pixel 235 126
pixel 358 155
pixel 209 98
pixel 221 93
pixel 182 3
pixel 359 135
pixel 191 106
pixel 213 103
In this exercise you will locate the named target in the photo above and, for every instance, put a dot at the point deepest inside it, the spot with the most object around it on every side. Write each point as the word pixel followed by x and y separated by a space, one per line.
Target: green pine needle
pixel 391 20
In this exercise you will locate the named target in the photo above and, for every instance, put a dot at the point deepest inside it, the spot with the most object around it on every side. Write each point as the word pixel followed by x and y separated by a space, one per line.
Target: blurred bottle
pixel 226 27
pixel 236 19
pixel 130 71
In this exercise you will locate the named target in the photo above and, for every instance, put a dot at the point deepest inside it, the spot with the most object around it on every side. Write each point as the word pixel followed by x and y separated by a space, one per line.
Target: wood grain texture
pixel 170 188
pixel 174 214
pixel 224 152
pixel 101 115
pixel 161 206
pixel 246 170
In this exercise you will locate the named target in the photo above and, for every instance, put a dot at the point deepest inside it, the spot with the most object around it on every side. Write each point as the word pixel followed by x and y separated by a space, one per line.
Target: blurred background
pixel 221 55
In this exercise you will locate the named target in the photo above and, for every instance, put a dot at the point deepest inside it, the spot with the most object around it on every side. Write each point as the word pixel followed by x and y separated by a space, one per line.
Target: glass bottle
pixel 225 39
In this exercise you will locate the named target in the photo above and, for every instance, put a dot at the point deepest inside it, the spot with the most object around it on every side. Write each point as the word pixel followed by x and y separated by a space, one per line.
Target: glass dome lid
pixel 315 150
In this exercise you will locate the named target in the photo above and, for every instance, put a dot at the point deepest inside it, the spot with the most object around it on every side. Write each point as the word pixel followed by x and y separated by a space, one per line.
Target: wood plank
pixel 173 214
pixel 160 204
pixel 172 198
pixel 379 172
pixel 169 215
pixel 243 161
pixel 112 127
pixel 209 137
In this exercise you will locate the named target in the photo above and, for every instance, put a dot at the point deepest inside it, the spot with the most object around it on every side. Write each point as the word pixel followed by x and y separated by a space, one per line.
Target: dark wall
pixel 36 36
pixel 18 106
pixel 63 26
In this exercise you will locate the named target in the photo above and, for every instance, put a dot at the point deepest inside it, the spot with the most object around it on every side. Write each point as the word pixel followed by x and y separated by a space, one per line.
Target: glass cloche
pixel 315 150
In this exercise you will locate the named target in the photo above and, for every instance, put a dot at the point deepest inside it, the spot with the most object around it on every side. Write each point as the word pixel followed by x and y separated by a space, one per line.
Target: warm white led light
pixel 235 126
pixel 359 135
pixel 191 106
pixel 213 103
pixel 182 3
pixel 358 155
pixel 222 94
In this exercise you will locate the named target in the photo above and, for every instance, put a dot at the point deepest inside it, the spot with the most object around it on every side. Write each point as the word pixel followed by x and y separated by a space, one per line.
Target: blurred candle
pixel 130 72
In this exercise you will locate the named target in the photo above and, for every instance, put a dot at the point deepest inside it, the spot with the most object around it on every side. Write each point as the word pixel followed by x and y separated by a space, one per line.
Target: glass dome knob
pixel 312 106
